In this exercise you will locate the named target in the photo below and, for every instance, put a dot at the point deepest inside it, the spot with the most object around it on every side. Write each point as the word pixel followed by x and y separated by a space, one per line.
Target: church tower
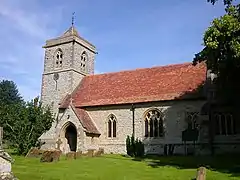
pixel 68 59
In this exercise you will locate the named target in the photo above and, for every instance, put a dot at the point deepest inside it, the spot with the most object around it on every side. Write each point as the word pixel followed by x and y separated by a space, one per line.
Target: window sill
pixel 162 137
pixel 112 138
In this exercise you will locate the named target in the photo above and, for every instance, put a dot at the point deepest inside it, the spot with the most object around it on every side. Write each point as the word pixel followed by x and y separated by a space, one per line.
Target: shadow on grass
pixel 225 164
pixel 229 164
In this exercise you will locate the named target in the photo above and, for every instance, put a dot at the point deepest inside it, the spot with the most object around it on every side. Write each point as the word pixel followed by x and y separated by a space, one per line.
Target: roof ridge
pixel 87 127
pixel 139 69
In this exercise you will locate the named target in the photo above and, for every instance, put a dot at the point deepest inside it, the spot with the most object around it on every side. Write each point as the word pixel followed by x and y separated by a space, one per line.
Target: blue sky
pixel 128 34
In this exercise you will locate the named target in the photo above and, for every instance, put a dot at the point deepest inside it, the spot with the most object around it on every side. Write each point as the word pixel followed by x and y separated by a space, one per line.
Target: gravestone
pixel 5 162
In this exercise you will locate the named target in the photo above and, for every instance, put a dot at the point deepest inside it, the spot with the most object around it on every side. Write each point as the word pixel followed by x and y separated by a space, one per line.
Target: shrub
pixel 128 146
pixel 135 148
pixel 139 148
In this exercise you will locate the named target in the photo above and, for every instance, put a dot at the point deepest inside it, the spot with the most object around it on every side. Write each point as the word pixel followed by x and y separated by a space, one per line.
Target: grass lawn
pixel 116 167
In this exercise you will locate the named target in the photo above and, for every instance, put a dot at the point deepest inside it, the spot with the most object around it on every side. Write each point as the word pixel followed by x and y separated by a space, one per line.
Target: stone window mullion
pixel 232 126
pixel 220 124
pixel 226 124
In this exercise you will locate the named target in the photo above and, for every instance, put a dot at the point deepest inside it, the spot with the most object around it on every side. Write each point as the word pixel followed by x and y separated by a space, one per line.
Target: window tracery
pixel 153 124
pixel 191 118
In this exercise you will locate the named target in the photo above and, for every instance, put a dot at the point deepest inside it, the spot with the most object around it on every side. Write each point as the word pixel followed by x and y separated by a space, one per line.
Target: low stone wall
pixel 178 149
pixel 113 148
pixel 226 148
pixel 191 149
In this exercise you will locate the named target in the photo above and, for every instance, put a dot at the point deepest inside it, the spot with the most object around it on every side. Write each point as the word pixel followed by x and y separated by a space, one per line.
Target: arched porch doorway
pixel 69 133
pixel 71 136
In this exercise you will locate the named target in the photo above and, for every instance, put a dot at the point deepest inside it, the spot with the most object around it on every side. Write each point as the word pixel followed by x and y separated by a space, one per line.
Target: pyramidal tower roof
pixel 72 31
pixel 68 36
pixel 71 35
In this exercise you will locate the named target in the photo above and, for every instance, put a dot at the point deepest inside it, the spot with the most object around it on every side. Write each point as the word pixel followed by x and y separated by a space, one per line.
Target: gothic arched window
pixel 84 60
pixel 153 124
pixel 112 126
pixel 191 118
pixel 59 58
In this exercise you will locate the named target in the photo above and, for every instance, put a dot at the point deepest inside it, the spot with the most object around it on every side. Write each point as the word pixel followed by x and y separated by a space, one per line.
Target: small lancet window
pixel 112 126
pixel 59 58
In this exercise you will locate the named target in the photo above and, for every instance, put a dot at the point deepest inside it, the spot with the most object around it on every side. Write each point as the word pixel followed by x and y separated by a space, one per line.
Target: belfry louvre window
pixel 112 126
pixel 59 58
pixel 153 124
pixel 224 124
pixel 84 60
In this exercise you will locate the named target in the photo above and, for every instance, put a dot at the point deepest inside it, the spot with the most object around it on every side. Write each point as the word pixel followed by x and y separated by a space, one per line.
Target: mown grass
pixel 116 167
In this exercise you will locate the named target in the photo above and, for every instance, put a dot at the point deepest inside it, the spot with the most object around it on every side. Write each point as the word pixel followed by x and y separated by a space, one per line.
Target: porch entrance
pixel 71 136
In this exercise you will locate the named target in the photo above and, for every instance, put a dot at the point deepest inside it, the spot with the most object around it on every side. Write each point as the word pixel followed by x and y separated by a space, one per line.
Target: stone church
pixel 156 105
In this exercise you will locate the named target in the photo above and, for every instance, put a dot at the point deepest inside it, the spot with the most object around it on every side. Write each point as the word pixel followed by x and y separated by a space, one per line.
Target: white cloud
pixel 27 29
pixel 31 23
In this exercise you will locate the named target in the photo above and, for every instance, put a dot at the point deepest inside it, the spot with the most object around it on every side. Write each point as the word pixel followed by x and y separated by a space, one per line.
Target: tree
pixel 221 53
pixel 10 103
pixel 9 93
pixel 226 2
pixel 25 124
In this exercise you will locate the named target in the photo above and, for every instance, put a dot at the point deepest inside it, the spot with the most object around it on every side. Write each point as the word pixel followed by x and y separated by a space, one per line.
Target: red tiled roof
pixel 140 85
pixel 86 121
pixel 65 102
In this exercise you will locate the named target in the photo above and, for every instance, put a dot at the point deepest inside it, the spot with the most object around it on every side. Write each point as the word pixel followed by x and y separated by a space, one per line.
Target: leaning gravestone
pixel 5 162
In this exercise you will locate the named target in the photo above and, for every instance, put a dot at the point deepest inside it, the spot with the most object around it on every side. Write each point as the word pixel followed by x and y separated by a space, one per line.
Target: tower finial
pixel 73 18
